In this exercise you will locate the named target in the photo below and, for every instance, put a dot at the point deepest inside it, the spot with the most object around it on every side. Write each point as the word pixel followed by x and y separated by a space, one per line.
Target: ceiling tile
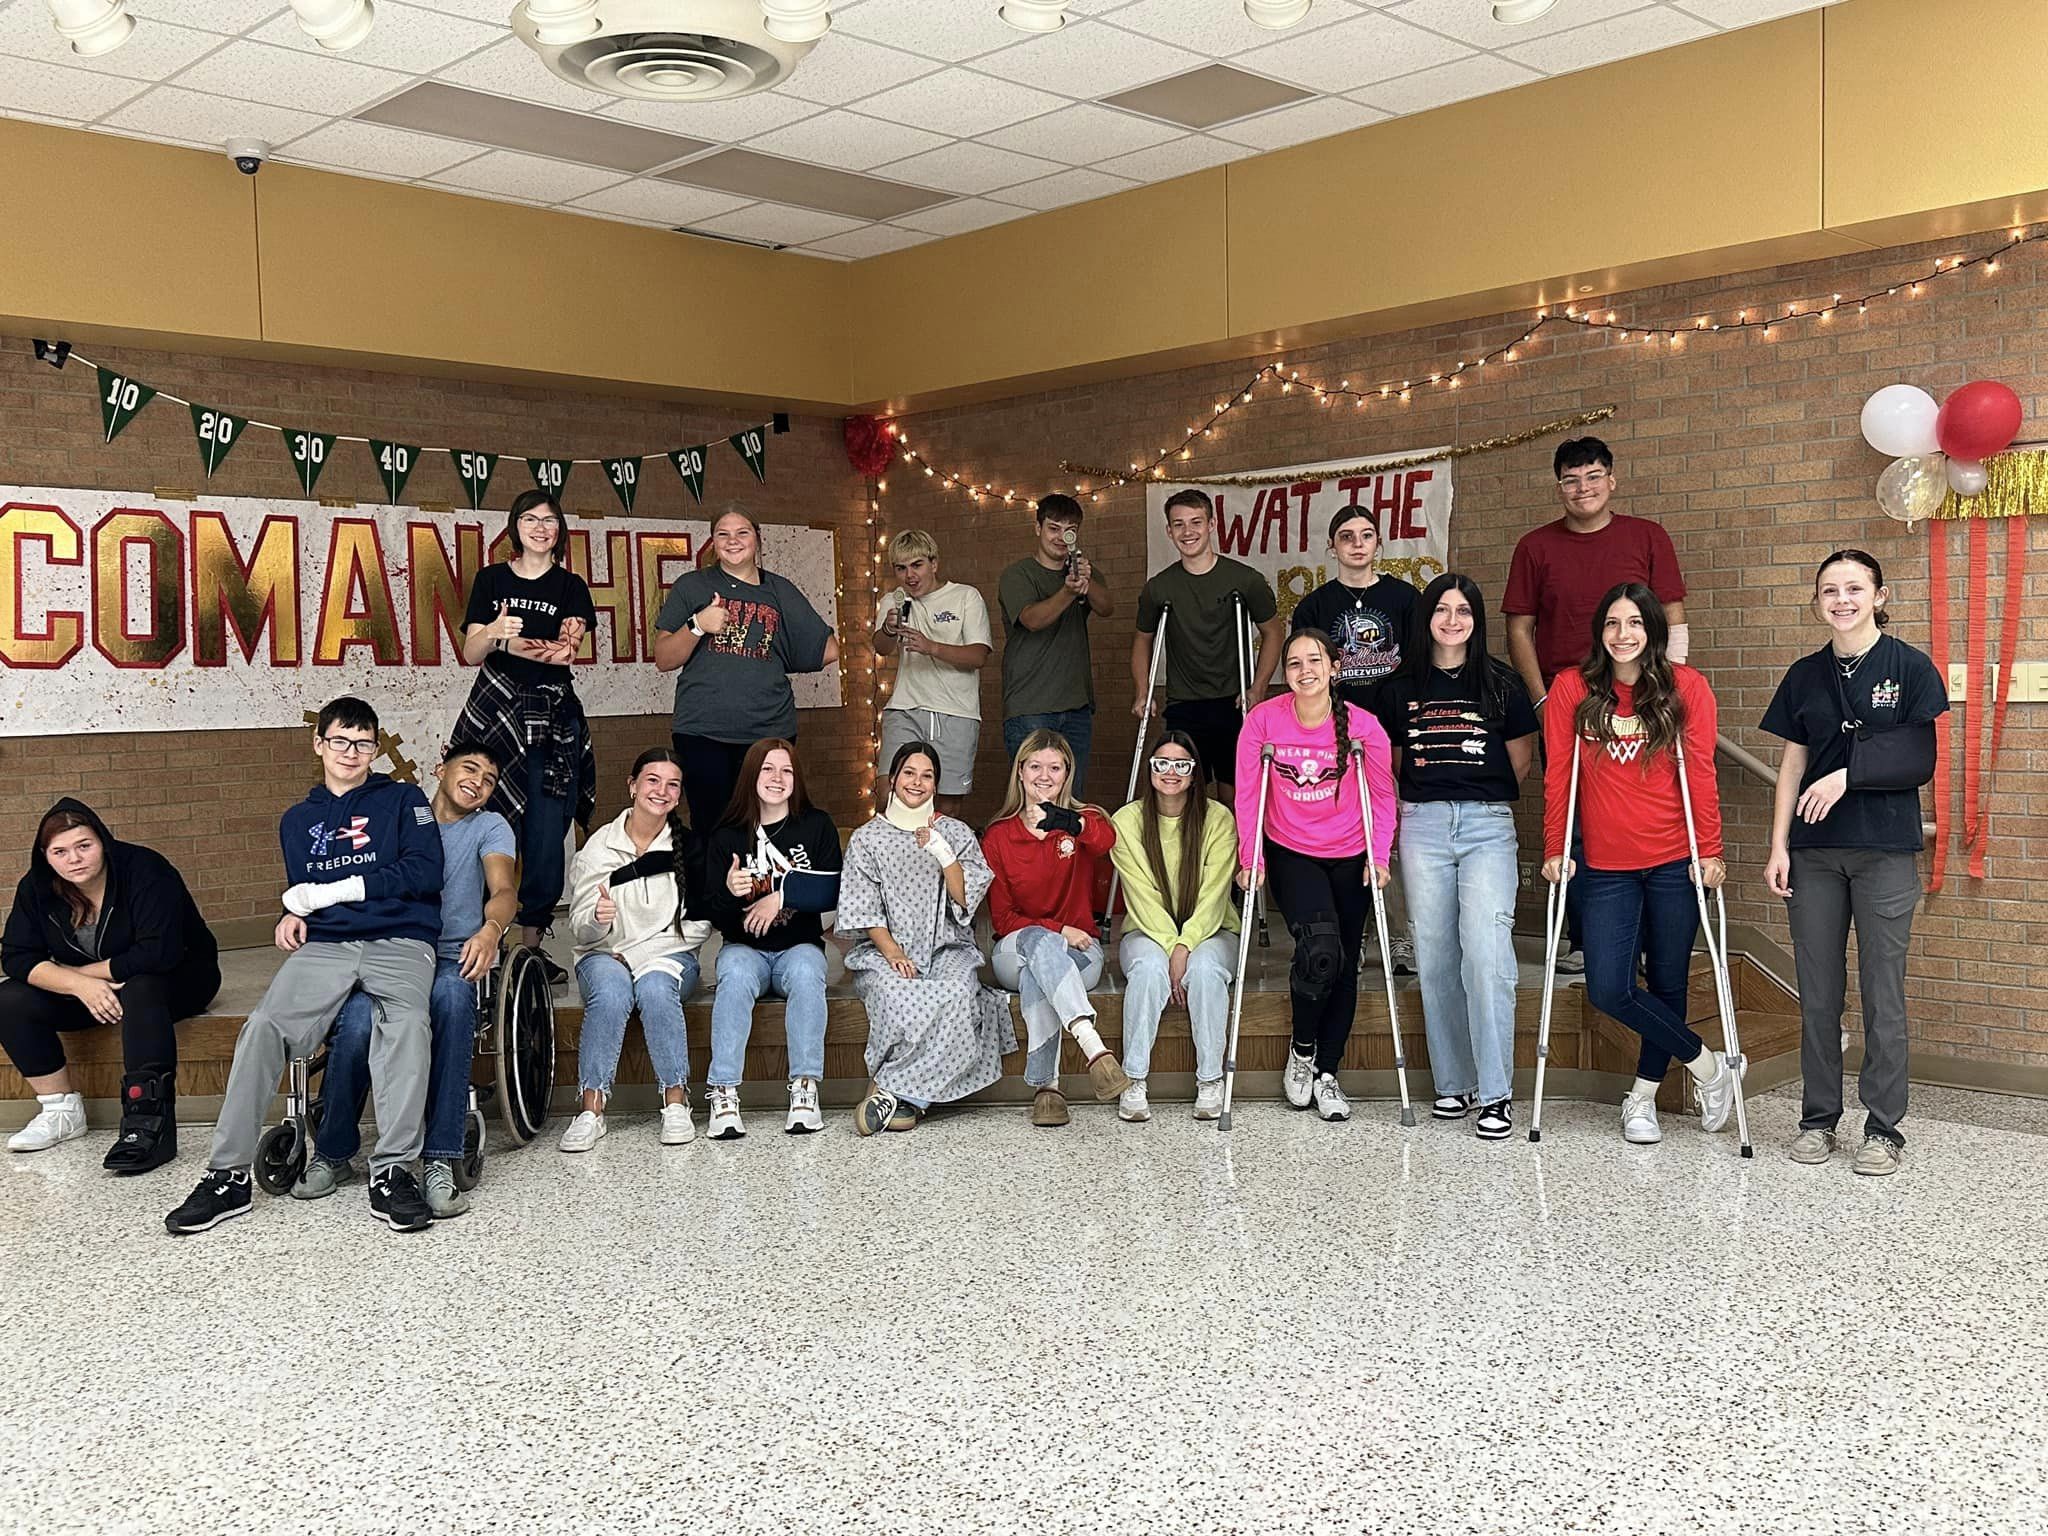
pixel 1067 187
pixel 847 140
pixel 1368 47
pixel 1622 37
pixel 1081 134
pixel 969 168
pixel 51 90
pixel 842 69
pixel 1207 95
pixel 196 118
pixel 1744 13
pixel 771 221
pixel 1459 80
pixel 1218 28
pixel 284 77
pixel 498 11
pixel 153 52
pixel 1085 58
pixel 722 122
pixel 1196 152
pixel 1316 119
pixel 660 202
pixel 960 102
pixel 1473 23
pixel 526 176
pixel 351 146
pixel 748 173
pixel 404 37
pixel 512 69
pixel 219 15
pixel 939 29
pixel 875 240
pixel 958 218
pixel 480 118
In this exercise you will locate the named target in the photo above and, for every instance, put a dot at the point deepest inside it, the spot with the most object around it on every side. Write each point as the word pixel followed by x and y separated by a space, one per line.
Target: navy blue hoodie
pixel 383 831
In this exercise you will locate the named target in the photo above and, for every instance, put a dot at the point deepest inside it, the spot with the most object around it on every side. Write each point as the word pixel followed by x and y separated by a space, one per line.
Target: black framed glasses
pixel 350 746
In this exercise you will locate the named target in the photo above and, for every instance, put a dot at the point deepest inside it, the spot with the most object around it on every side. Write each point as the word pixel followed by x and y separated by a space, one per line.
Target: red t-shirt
pixel 1559 577
pixel 1631 815
pixel 1044 882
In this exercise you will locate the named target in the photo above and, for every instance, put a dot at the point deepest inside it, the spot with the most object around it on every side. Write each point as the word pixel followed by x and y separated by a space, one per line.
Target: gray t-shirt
pixel 1046 671
pixel 735 686
pixel 463 846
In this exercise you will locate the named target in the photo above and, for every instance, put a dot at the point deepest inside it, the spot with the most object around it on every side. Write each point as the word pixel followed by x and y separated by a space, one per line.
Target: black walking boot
pixel 149 1127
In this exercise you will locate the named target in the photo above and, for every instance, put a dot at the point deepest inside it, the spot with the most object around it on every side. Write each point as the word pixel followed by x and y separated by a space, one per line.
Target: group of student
pixel 1396 729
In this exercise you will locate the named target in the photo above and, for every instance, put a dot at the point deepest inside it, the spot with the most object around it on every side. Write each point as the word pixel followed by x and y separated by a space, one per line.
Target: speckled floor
pixel 985 1328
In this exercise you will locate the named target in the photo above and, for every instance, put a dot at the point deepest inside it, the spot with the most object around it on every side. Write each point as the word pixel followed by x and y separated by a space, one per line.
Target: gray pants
pixel 1878 890
pixel 294 1017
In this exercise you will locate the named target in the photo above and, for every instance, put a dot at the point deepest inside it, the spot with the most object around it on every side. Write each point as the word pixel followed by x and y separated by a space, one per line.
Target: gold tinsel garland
pixel 1380 466
pixel 2015 484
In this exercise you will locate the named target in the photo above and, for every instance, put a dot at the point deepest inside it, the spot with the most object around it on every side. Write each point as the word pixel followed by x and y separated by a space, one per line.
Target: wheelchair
pixel 515 1030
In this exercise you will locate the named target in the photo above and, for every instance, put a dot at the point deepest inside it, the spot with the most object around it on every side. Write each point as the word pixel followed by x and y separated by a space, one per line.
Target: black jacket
pixel 810 841
pixel 149 924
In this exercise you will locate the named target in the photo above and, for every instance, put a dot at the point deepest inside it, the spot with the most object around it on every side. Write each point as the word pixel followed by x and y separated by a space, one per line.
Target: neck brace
pixel 909 818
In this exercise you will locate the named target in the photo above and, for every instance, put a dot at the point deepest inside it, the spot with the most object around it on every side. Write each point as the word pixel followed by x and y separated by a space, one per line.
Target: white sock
pixel 1706 1066
pixel 1645 1088
pixel 1083 1031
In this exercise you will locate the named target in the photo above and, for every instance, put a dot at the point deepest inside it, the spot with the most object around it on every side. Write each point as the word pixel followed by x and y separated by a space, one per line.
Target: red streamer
pixel 2008 658
pixel 1974 619
pixel 1944 769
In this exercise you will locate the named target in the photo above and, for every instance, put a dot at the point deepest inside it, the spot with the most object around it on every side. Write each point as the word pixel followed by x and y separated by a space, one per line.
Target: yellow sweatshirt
pixel 1215 908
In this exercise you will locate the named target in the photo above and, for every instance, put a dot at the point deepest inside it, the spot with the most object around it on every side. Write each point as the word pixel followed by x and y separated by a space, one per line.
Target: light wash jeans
pixel 1051 982
pixel 796 974
pixel 1211 964
pixel 1458 863
pixel 609 994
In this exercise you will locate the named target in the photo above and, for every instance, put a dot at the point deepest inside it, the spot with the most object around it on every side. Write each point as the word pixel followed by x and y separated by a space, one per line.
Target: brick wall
pixel 1746 449
pixel 211 800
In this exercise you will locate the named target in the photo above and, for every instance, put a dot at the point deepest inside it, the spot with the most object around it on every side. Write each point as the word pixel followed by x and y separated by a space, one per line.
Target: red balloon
pixel 1978 420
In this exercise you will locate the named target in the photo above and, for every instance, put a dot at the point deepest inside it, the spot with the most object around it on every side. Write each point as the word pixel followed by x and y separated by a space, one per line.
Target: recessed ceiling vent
pixel 660 50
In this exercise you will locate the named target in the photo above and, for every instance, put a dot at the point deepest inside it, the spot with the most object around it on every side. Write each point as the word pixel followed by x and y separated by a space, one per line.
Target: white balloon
pixel 1899 420
pixel 1914 488
pixel 1965 476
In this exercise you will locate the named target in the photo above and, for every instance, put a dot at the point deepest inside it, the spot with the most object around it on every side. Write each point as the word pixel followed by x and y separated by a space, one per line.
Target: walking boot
pixel 149 1127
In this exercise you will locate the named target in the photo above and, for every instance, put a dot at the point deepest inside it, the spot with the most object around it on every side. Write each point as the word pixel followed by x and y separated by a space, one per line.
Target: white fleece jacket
pixel 643 931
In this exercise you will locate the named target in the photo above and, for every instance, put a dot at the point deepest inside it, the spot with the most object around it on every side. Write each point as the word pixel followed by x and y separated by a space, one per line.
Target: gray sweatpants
pixel 293 1019
pixel 1877 889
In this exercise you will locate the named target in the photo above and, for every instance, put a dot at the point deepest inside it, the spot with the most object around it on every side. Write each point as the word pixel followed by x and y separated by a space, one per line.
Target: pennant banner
pixel 752 447
pixel 120 399
pixel 624 475
pixel 309 452
pixel 218 432
pixel 550 475
pixel 394 466
pixel 689 463
pixel 474 469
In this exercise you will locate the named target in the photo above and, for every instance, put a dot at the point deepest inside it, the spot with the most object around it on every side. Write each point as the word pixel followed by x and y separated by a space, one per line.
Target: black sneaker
pixel 395 1200
pixel 222 1194
pixel 557 977
pixel 1496 1122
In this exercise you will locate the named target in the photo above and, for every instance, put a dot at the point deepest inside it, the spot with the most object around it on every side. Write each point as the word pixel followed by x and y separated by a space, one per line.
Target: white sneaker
pixel 1209 1100
pixel 1330 1101
pixel 1572 962
pixel 726 1124
pixel 1717 1097
pixel 1639 1120
pixel 1132 1104
pixel 583 1132
pixel 678 1125
pixel 61 1118
pixel 803 1107
pixel 1298 1082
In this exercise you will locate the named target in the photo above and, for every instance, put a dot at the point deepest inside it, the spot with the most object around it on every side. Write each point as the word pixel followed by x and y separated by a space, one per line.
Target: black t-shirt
pixel 1367 626
pixel 1894 685
pixel 1449 750
pixel 809 841
pixel 542 602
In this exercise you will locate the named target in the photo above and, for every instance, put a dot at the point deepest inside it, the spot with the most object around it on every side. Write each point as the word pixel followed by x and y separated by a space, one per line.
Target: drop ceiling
pixel 910 121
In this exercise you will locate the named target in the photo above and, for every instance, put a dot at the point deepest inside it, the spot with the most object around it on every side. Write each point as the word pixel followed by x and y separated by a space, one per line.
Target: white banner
pixel 1282 530
pixel 119 612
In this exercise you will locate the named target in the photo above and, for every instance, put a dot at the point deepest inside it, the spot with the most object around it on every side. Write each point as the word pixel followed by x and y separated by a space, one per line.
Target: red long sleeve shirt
pixel 1630 814
pixel 1044 882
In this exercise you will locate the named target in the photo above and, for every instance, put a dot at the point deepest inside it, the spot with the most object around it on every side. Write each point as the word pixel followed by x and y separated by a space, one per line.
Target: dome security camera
pixel 248 154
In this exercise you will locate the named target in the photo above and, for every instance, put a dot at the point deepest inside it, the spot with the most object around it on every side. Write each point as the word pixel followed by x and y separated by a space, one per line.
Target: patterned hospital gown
pixel 942 1035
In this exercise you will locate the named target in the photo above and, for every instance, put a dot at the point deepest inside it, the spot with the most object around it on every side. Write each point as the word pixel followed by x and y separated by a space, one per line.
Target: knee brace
pixel 1318 958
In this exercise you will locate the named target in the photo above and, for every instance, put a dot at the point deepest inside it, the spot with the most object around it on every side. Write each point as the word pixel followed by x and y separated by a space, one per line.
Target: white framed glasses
pixel 1178 767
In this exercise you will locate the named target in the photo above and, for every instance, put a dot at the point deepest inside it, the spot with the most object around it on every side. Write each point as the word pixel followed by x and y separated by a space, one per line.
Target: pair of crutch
pixel 1714 934
pixel 1379 917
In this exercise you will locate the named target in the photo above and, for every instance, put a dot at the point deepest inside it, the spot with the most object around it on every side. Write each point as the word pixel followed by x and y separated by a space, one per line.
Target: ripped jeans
pixel 1458 865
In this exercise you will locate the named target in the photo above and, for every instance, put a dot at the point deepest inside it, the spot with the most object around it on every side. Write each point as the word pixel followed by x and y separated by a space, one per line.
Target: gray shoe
pixel 1812 1146
pixel 1878 1157
pixel 322 1178
pixel 443 1198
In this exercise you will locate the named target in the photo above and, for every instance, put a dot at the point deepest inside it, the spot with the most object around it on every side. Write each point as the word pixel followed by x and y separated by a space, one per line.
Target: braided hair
pixel 1340 724
pixel 686 861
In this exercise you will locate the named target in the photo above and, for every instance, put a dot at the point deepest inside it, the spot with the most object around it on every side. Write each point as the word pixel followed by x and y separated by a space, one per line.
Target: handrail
pixel 1757 768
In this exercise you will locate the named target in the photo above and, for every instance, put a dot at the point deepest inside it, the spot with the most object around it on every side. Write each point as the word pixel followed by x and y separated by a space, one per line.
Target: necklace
pixel 1453 672
pixel 1849 666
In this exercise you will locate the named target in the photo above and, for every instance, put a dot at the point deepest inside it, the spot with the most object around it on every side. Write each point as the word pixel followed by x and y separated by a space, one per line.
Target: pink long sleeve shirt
pixel 1312 806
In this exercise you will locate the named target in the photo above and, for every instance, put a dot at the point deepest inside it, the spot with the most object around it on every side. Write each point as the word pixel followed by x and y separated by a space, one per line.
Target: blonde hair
pixel 1040 740
pixel 911 544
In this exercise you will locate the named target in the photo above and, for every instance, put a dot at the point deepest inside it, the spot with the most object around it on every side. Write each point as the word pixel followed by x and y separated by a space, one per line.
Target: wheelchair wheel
pixel 469 1168
pixel 525 1029
pixel 280 1158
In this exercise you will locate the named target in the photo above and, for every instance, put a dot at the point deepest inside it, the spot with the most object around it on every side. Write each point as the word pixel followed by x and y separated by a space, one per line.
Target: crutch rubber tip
pixel 1534 1134
pixel 1223 1122
pixel 1408 1116
pixel 1749 1151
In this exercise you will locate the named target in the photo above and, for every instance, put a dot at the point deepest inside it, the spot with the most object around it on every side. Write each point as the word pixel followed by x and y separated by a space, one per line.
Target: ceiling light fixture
pixel 1513 13
pixel 1275 15
pixel 336 25
pixel 1033 15
pixel 559 23
pixel 92 27
pixel 796 21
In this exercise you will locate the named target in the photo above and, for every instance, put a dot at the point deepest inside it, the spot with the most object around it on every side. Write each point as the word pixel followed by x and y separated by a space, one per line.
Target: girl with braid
pixel 1315 852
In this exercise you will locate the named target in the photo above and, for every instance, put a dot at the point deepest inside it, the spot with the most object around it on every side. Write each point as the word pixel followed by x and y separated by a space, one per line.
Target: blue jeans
pixel 1077 725
pixel 609 996
pixel 543 831
pixel 796 974
pixel 1051 981
pixel 1211 964
pixel 345 1086
pixel 1651 913
pixel 1458 864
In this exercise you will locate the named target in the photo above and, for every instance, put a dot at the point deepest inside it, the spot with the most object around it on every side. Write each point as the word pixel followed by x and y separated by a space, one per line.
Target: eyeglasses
pixel 1179 767
pixel 350 746
pixel 1587 481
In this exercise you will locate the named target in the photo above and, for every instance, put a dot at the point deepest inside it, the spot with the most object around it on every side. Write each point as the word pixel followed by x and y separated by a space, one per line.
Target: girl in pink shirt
pixel 1315 852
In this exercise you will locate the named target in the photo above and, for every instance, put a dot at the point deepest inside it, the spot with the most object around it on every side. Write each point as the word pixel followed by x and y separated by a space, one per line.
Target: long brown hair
pixel 1190 826
pixel 53 826
pixel 744 809
pixel 1657 706
pixel 1339 722
pixel 685 848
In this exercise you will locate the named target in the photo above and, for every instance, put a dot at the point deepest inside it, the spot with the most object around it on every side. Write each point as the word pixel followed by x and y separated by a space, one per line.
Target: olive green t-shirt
pixel 1199 661
pixel 1046 671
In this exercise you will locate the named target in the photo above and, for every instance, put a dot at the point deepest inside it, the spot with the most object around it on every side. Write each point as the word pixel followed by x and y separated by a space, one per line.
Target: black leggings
pixel 1308 890
pixel 32 1020
pixel 711 770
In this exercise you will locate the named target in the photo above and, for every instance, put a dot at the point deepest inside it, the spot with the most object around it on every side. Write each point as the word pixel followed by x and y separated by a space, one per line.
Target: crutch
pixel 1241 644
pixel 1244 936
pixel 1138 757
pixel 1379 918
pixel 1554 916
pixel 1717 956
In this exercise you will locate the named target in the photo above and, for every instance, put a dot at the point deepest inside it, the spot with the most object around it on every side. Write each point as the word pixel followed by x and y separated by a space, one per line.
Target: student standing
pixel 1048 676
pixel 1857 717
pixel 941 627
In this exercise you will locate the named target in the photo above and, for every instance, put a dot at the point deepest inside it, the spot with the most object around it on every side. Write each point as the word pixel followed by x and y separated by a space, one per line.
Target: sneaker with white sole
pixel 583 1132
pixel 1639 1120
pixel 678 1125
pixel 1812 1145
pixel 1451 1106
pixel 1330 1101
pixel 1572 963
pixel 1878 1158
pixel 437 1183
pixel 1717 1095
pixel 1401 950
pixel 223 1194
pixel 61 1118
pixel 1298 1082
pixel 1132 1104
pixel 1496 1122
pixel 804 1115
pixel 726 1124
pixel 1209 1100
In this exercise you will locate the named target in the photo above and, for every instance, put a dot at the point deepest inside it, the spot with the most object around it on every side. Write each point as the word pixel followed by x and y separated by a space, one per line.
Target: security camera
pixel 248 154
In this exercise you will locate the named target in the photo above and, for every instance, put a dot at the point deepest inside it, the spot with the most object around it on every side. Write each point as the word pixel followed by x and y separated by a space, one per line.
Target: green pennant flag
pixel 754 450
pixel 120 399
pixel 624 475
pixel 309 453
pixel 551 475
pixel 218 432
pixel 394 466
pixel 475 470
pixel 689 463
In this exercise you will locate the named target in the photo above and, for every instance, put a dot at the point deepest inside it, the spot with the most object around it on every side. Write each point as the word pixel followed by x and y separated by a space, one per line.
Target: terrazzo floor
pixel 985 1328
